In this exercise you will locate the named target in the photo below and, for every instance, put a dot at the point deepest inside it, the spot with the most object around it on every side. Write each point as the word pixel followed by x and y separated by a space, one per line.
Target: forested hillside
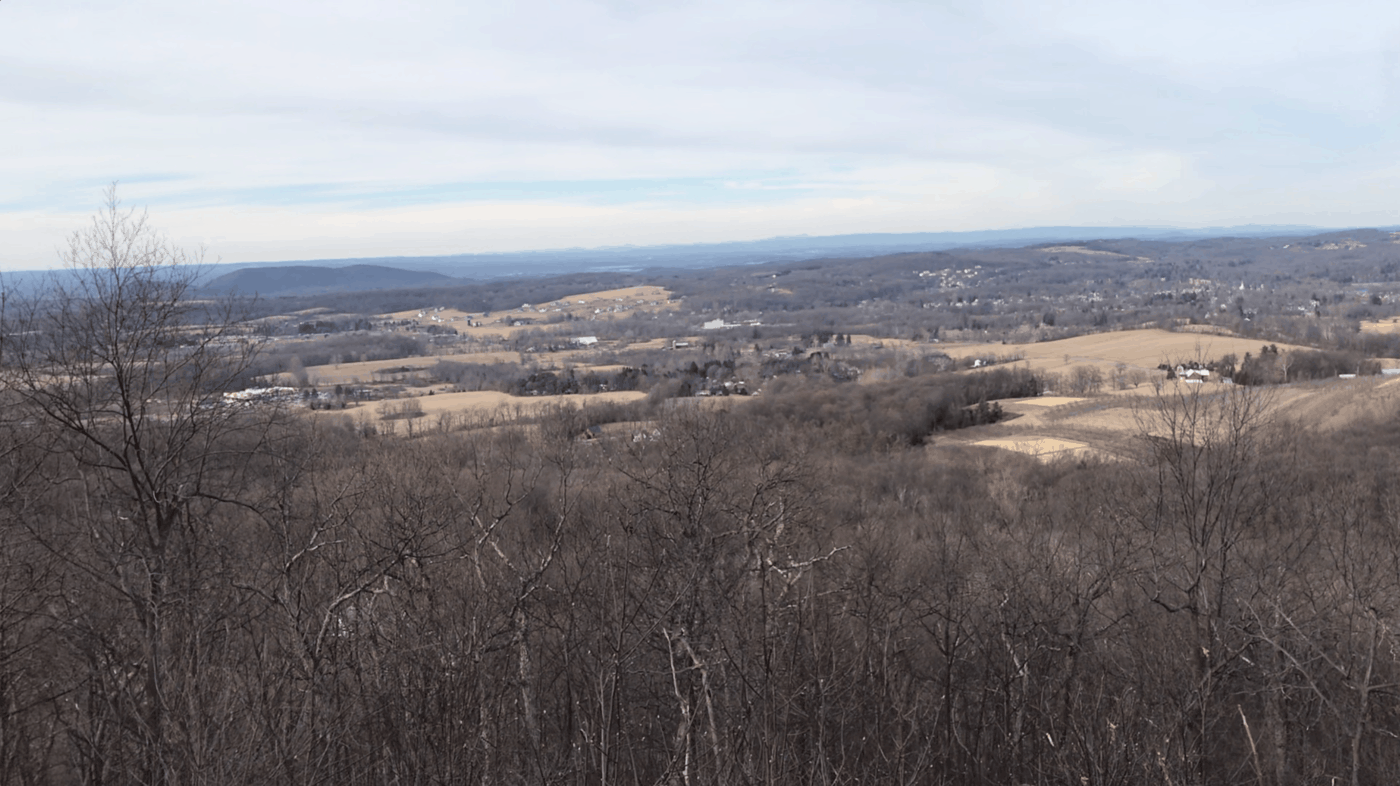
pixel 199 591
pixel 309 280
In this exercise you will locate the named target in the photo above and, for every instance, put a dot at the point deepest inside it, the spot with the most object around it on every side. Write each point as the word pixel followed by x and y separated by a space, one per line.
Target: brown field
pixel 1059 427
pixel 1389 325
pixel 1040 447
pixel 1107 425
pixel 1032 412
pixel 1143 349
pixel 494 401
pixel 1050 401
pixel 483 403
pixel 872 342
pixel 363 373
pixel 1329 405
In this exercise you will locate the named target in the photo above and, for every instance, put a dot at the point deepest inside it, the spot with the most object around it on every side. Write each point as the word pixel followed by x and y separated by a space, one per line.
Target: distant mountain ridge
pixel 487 266
pixel 317 276
pixel 315 280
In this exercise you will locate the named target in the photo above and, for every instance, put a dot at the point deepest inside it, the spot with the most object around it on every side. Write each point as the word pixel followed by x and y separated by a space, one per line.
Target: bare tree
pixel 1214 468
pixel 1085 380
pixel 126 373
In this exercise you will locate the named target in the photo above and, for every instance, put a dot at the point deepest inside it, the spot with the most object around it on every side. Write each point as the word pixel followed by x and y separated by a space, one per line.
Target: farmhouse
pixel 1196 375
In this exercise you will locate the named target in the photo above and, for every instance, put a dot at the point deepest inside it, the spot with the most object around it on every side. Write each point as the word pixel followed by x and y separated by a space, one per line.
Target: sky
pixel 278 131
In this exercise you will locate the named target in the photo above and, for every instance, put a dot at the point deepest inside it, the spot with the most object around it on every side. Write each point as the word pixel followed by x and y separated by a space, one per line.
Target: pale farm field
pixel 1040 447
pixel 1388 325
pixel 482 403
pixel 363 372
pixel 872 342
pixel 1142 349
pixel 1328 405
pixel 1106 425
pixel 1035 411
pixel 492 401
pixel 1050 401
pixel 1054 427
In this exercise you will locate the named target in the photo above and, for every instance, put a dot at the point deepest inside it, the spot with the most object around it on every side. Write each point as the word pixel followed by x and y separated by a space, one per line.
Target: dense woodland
pixel 193 592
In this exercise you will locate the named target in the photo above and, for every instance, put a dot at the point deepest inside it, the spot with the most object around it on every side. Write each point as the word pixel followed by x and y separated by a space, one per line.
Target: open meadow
pixel 1142 349
pixel 1109 425
pixel 1387 326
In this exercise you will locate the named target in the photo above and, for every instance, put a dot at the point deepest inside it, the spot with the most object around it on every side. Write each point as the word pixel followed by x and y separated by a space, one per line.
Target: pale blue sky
pixel 332 129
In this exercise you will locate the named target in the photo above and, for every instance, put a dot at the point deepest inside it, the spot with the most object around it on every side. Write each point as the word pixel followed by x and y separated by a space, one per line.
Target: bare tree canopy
pixel 196 589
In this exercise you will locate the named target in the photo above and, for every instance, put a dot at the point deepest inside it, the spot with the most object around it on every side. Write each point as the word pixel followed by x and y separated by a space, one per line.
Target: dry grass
pixel 1050 401
pixel 872 342
pixel 1106 424
pixel 490 400
pixel 1136 349
pixel 478 403
pixel 363 373
pixel 1389 325
pixel 1328 405
pixel 1040 447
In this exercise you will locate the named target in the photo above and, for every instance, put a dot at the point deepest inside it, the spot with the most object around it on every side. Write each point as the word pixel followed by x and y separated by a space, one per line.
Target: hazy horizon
pixel 863 244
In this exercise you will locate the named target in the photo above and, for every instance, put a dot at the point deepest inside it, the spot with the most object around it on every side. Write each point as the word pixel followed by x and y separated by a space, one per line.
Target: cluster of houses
pixel 268 395
pixel 720 324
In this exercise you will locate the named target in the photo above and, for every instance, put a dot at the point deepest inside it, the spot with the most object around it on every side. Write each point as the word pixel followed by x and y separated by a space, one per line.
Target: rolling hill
pixel 311 280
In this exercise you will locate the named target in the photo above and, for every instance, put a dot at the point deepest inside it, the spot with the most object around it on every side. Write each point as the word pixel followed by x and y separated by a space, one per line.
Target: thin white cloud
pixel 265 128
